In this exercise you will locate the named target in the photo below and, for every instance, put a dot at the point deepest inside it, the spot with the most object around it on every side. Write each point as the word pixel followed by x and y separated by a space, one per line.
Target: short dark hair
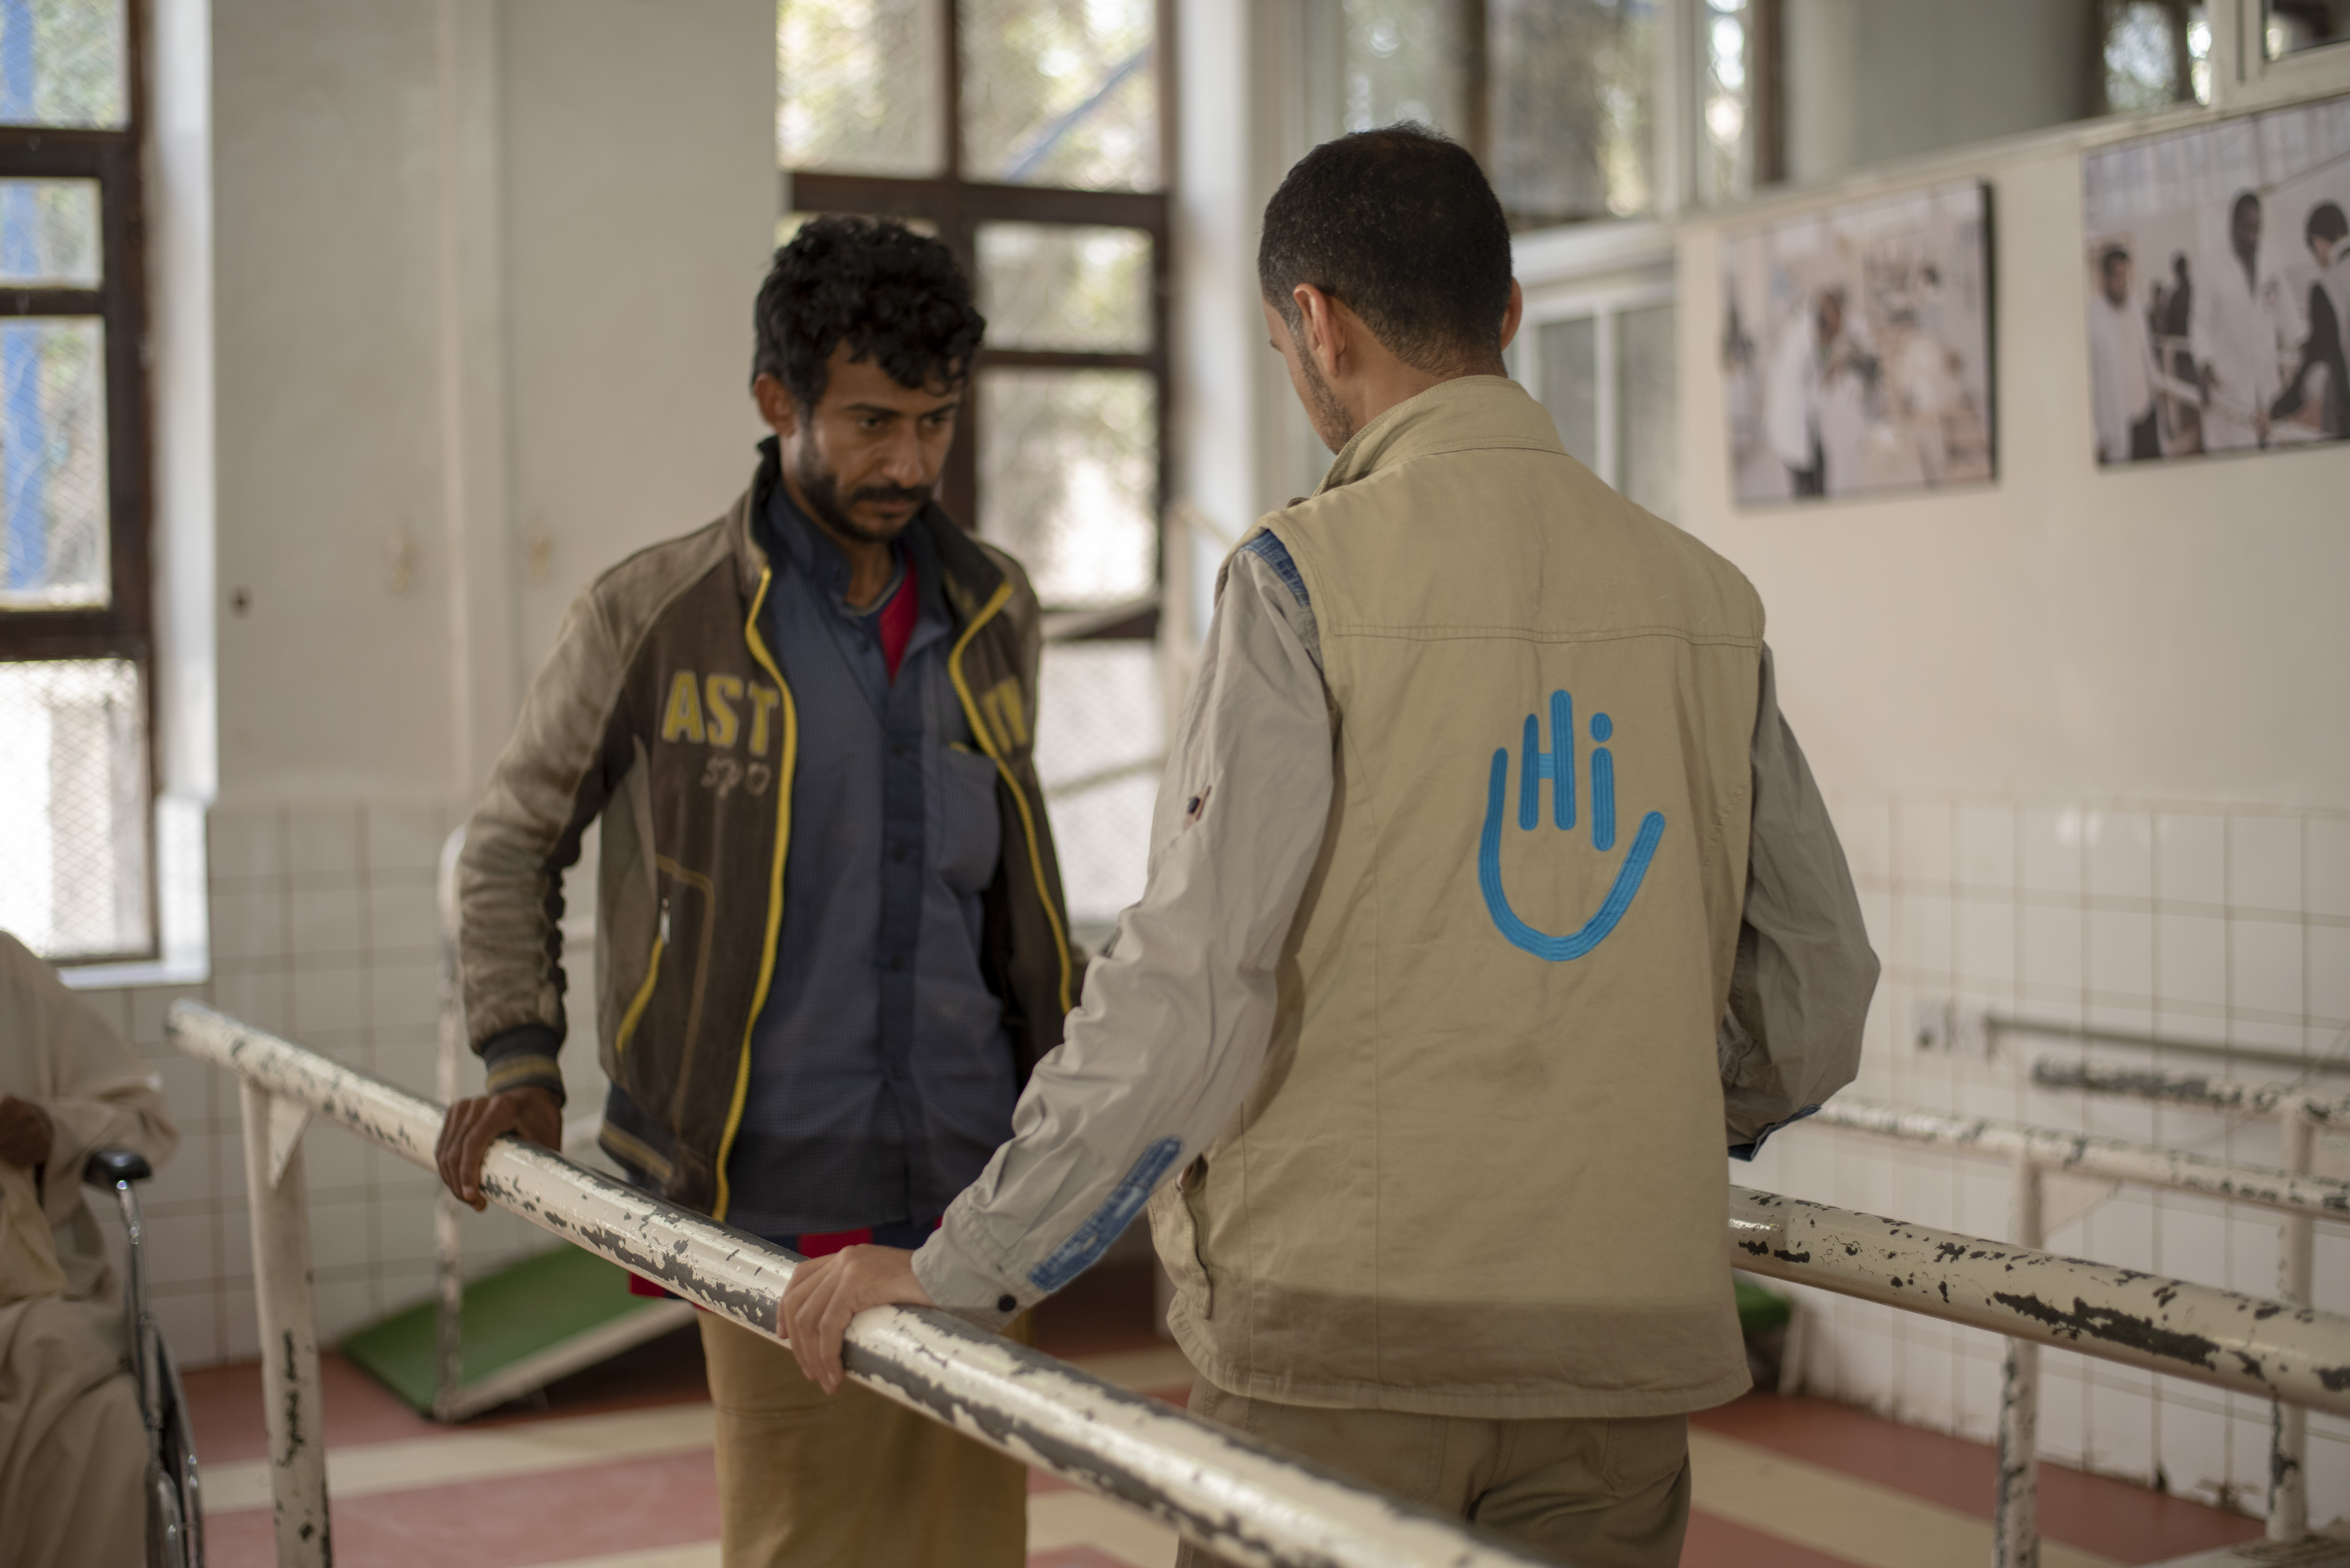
pixel 2326 222
pixel 1401 224
pixel 892 295
pixel 2110 254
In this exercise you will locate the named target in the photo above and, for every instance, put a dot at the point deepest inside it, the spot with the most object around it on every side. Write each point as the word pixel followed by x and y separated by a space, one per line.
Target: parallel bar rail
pixel 2106 1158
pixel 2200 1090
pixel 2200 1332
pixel 2035 1151
pixel 1237 1498
pixel 1996 1024
pixel 2299 1113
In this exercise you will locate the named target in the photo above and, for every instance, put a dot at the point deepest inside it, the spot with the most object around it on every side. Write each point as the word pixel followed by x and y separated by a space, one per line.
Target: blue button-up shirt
pixel 881 1074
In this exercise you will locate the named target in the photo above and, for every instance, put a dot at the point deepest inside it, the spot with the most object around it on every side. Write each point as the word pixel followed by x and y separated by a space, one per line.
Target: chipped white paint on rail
pixel 1242 1499
pixel 2109 1158
pixel 1250 1503
pixel 2294 1354
pixel 2202 1090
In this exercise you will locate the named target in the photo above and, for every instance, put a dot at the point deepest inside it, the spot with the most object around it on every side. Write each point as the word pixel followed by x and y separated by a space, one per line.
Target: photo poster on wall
pixel 1856 347
pixel 2219 281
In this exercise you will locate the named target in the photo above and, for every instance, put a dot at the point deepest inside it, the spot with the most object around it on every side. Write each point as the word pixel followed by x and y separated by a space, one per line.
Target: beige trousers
pixel 855 1480
pixel 1596 1493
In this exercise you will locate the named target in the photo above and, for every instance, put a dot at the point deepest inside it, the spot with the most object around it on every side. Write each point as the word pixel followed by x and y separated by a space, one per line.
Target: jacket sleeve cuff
pixel 958 1279
pixel 523 1058
pixel 1747 1151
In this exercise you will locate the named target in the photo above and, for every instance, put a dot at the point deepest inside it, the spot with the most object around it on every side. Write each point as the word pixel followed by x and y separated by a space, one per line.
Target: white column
pixel 2289 1441
pixel 289 1334
pixel 485 665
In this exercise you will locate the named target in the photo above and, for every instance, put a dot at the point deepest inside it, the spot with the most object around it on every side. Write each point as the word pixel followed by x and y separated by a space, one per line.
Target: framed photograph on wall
pixel 2219 285
pixel 1855 348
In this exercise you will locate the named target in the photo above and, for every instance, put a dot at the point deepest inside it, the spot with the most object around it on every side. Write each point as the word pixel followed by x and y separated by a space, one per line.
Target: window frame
pixel 123 628
pixel 1679 160
pixel 956 207
pixel 1604 305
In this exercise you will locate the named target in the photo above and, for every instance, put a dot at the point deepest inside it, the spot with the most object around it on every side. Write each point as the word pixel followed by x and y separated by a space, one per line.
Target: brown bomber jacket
pixel 662 712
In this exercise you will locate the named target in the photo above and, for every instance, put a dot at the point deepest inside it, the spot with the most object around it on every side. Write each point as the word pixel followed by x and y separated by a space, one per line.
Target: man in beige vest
pixel 1490 900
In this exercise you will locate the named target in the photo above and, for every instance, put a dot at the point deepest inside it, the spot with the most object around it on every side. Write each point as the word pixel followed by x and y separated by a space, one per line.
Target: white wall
pixel 2084 734
pixel 642 198
pixel 326 236
pixel 2168 630
pixel 572 379
pixel 483 276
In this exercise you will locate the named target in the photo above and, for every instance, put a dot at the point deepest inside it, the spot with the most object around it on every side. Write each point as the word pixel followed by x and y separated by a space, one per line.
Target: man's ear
pixel 777 406
pixel 1513 315
pixel 1321 335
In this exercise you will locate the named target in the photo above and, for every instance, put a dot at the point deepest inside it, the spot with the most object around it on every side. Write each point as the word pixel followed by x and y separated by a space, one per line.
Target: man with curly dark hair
pixel 831 939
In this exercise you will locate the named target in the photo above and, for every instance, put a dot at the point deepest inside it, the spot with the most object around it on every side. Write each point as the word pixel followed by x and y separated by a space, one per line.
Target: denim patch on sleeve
pixel 1749 1150
pixel 1076 1254
pixel 1274 554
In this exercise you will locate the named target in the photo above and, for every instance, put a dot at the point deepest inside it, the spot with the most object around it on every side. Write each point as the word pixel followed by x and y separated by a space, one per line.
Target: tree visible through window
pixel 76 797
pixel 1558 99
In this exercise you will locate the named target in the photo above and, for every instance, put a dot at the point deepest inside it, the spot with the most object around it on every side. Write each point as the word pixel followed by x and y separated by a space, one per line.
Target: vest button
pixel 1005 1303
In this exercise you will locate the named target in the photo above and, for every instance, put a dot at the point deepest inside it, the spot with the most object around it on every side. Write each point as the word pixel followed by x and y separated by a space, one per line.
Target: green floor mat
pixel 1757 1308
pixel 518 1311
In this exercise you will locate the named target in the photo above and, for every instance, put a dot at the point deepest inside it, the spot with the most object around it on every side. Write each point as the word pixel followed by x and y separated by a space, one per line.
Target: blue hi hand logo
pixel 1557 764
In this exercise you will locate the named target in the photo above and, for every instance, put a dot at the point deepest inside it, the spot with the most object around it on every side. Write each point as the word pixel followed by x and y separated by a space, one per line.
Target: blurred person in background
pixel 2242 327
pixel 2121 361
pixel 73 1444
pixel 1791 398
pixel 830 936
pixel 2317 394
pixel 1428 1095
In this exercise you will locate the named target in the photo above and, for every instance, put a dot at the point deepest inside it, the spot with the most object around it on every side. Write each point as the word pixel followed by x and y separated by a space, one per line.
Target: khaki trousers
pixel 857 1480
pixel 1596 1493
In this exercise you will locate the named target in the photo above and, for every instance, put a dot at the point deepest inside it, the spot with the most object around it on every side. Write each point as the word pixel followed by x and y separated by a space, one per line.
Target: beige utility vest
pixel 1484 1173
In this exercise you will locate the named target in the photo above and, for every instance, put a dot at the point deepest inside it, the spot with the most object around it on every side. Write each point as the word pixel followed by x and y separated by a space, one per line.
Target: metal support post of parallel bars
pixel 2298 1115
pixel 448 1235
pixel 1244 1501
pixel 2016 1510
pixel 2300 1196
pixel 2289 1434
pixel 289 1332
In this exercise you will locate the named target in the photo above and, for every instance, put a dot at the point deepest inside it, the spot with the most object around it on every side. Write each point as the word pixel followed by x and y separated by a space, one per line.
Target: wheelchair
pixel 175 1515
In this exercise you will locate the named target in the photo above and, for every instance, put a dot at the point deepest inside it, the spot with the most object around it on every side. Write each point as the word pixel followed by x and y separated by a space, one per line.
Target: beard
pixel 1330 419
pixel 821 489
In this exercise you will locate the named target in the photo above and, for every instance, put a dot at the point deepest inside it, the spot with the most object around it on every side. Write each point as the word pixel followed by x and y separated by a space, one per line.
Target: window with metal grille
pixel 1030 136
pixel 76 789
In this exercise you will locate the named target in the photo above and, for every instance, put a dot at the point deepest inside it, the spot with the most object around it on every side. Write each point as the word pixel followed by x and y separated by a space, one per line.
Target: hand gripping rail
pixel 1237 1498
pixel 1244 1500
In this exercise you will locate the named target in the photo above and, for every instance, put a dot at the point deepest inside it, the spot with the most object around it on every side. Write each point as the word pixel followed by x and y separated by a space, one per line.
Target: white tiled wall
pixel 2174 919
pixel 322 928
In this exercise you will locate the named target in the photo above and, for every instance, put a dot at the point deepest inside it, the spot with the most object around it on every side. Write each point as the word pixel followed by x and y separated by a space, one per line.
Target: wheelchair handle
pixel 109 1167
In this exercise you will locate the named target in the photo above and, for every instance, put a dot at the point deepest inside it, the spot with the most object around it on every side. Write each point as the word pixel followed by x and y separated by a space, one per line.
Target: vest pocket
pixel 1175 1230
